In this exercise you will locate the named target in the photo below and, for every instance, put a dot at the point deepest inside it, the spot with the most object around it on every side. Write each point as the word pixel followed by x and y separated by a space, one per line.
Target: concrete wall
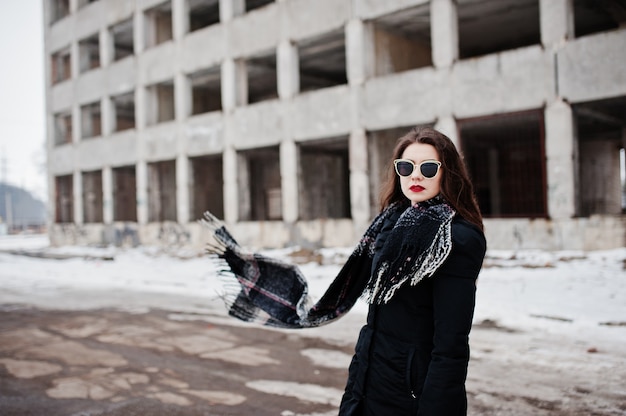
pixel 551 77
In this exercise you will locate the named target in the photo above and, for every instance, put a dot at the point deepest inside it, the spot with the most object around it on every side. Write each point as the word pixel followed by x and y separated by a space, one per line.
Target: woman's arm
pixel 454 288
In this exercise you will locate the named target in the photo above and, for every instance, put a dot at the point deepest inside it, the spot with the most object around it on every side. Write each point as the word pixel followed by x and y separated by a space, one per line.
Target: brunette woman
pixel 411 357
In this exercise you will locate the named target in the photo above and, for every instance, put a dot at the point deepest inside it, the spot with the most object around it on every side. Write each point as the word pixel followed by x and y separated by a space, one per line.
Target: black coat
pixel 411 358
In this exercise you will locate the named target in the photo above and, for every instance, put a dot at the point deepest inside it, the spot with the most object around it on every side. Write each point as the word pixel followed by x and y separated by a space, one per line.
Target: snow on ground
pixel 556 320
pixel 574 293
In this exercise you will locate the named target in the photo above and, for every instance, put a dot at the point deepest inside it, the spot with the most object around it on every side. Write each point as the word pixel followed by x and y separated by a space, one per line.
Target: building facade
pixel 280 116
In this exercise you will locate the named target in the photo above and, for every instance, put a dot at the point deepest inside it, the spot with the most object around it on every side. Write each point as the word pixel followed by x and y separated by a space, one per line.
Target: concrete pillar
pixel 289 172
pixel 140 107
pixel 180 18
pixel 78 197
pixel 447 125
pixel 107 116
pixel 231 8
pixel 560 159
pixel 74 60
pixel 77 123
pixel 360 53
pixel 234 84
pixel 556 19
pixel 139 32
pixel 231 191
pixel 106 47
pixel 288 69
pixel 182 96
pixel 107 194
pixel 182 189
pixel 359 180
pixel 142 192
pixel 444 32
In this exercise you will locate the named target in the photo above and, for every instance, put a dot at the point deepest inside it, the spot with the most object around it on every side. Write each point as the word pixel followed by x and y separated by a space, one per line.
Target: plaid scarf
pixel 275 293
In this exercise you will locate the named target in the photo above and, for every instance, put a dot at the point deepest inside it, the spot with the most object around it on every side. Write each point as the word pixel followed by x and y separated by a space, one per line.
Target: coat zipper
pixel 409 379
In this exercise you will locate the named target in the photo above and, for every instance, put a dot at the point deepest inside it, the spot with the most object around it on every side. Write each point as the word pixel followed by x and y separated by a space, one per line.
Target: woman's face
pixel 416 187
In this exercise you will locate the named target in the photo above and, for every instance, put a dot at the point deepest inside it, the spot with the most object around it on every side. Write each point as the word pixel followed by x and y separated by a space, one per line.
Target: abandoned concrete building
pixel 280 116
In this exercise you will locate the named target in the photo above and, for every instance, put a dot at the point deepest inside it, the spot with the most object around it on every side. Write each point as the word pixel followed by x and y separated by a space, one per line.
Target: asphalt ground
pixel 158 362
pixel 111 362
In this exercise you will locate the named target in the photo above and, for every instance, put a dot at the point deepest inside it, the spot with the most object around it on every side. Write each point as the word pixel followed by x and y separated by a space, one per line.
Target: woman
pixel 411 358
pixel 416 265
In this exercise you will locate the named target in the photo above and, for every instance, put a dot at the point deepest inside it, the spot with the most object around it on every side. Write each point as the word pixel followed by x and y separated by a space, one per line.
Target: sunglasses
pixel 428 168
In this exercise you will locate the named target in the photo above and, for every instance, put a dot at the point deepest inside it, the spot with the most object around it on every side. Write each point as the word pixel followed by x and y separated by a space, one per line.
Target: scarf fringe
pixel 390 275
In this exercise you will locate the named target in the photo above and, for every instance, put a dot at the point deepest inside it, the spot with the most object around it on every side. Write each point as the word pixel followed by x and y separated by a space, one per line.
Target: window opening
pixel 509 25
pixel 260 185
pixel 506 161
pixel 123 44
pixel 323 61
pixel 124 111
pixel 158 24
pixel 62 128
pixel 402 41
pixel 256 4
pixel 326 179
pixel 206 92
pixel 91 121
pixel 207 187
pixel 262 78
pixel 593 16
pixel 203 13
pixel 64 189
pixel 61 65
pixel 162 191
pixel 92 197
pixel 160 103
pixel 601 131
pixel 58 10
pixel 124 194
pixel 89 53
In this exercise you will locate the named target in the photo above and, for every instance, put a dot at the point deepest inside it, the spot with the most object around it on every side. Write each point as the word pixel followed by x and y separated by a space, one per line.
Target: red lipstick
pixel 416 188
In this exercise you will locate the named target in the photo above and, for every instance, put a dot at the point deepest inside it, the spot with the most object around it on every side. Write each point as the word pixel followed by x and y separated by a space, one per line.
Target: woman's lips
pixel 416 188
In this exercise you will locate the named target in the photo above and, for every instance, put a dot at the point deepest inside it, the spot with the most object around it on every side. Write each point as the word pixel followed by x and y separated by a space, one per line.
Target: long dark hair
pixel 456 187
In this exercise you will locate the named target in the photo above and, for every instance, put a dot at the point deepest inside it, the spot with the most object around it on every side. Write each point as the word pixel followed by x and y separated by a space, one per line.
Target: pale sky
pixel 22 96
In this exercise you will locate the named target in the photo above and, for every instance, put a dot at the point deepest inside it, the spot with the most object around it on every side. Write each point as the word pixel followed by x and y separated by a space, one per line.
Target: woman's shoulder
pixel 468 251
pixel 468 237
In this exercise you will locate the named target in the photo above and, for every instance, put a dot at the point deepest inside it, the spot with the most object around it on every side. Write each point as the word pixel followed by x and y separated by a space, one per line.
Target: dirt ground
pixel 115 362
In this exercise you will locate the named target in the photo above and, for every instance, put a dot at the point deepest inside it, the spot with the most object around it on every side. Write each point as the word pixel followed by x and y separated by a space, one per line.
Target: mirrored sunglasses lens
pixel 429 169
pixel 404 168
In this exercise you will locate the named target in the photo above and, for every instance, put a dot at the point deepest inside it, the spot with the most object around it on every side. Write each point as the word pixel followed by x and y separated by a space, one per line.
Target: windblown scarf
pixel 275 293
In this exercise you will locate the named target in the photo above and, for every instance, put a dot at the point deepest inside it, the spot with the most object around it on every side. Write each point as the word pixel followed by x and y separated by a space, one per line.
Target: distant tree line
pixel 19 209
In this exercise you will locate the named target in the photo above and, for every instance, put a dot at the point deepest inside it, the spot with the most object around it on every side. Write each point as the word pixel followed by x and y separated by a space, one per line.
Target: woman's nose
pixel 416 173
